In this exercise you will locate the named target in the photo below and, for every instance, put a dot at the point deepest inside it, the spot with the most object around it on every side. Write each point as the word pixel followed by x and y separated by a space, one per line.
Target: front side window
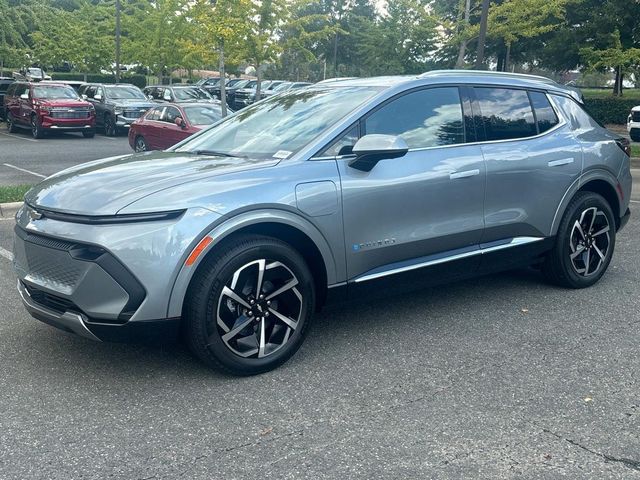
pixel 170 115
pixel 505 113
pixel 343 145
pixel 425 118
pixel 155 113
pixel 281 125
pixel 203 115
pixel 545 114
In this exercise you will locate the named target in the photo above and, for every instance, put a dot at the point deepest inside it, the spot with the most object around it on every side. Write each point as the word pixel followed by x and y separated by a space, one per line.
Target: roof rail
pixel 573 91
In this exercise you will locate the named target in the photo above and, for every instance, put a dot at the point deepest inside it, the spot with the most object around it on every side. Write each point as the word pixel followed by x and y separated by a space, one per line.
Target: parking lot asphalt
pixel 501 377
pixel 24 160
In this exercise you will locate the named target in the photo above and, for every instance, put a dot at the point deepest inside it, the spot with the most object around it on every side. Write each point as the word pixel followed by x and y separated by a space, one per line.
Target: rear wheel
pixel 584 244
pixel 36 128
pixel 89 134
pixel 109 126
pixel 249 306
pixel 11 126
pixel 140 145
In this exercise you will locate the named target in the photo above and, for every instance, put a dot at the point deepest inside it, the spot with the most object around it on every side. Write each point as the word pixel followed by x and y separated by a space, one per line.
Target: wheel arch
pixel 601 182
pixel 286 226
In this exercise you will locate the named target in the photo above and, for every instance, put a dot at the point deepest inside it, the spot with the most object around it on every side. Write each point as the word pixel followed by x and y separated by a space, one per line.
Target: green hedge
pixel 136 79
pixel 611 109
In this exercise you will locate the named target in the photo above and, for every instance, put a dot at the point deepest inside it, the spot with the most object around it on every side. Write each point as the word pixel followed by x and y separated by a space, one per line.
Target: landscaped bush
pixel 610 109
pixel 135 79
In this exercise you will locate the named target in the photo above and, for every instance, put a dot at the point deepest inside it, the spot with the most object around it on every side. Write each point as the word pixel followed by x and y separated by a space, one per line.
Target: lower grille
pixel 52 302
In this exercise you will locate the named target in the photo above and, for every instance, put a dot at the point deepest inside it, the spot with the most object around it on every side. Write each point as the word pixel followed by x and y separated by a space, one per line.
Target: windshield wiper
pixel 216 154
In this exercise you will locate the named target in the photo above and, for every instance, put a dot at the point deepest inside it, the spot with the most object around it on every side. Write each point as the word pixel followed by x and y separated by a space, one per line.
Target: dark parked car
pixel 285 86
pixel 165 125
pixel 214 91
pixel 46 107
pixel 117 106
pixel 235 237
pixel 4 85
pixel 178 94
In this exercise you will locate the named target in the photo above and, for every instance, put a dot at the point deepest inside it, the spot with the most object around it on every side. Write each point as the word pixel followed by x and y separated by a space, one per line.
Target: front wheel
pixel 584 244
pixel 249 305
pixel 110 129
pixel 635 134
pixel 36 129
pixel 89 134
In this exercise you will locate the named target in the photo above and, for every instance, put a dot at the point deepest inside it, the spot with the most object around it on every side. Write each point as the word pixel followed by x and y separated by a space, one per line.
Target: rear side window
pixel 425 118
pixel 545 114
pixel 506 113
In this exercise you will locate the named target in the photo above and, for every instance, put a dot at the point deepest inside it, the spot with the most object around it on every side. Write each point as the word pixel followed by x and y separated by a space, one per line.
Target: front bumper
pixel 110 282
pixel 68 124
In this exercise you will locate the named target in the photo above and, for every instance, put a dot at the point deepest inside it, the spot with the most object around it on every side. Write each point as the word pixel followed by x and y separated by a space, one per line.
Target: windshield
pixel 198 115
pixel 35 71
pixel 282 87
pixel 190 94
pixel 54 91
pixel 124 93
pixel 281 125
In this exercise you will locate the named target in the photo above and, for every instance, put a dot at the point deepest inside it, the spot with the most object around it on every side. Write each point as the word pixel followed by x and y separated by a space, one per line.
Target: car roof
pixel 458 76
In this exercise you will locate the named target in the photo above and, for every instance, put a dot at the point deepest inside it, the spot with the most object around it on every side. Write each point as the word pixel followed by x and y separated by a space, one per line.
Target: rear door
pixel 153 128
pixel 532 158
pixel 421 209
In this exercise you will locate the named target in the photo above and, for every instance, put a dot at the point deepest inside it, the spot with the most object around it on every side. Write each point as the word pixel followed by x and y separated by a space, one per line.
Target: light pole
pixel 117 41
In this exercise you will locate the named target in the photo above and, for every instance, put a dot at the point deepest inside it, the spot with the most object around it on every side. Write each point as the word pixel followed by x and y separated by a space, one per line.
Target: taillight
pixel 625 145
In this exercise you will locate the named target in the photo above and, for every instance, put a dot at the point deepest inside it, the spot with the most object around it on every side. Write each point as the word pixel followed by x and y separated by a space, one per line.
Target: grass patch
pixel 627 93
pixel 635 150
pixel 13 193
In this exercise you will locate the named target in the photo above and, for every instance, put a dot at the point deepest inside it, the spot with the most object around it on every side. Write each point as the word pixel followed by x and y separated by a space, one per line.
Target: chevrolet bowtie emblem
pixel 33 214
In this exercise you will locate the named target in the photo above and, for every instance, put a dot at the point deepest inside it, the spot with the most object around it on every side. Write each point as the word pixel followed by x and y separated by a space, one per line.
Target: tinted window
pixel 203 115
pixel 343 145
pixel 545 115
pixel 170 114
pixel 426 118
pixel 11 90
pixel 191 94
pixel 155 114
pixel 506 113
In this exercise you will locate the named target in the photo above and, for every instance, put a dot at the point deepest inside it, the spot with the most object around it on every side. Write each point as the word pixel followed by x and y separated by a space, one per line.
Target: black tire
pixel 635 135
pixel 559 267
pixel 110 129
pixel 89 134
pixel 140 144
pixel 205 305
pixel 11 126
pixel 36 128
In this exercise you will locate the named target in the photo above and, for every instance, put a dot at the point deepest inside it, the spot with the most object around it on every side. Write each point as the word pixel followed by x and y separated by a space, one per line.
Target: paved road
pixel 503 377
pixel 20 152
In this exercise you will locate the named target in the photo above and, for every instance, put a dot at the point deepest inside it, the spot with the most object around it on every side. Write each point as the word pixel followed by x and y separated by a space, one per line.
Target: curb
pixel 635 162
pixel 8 210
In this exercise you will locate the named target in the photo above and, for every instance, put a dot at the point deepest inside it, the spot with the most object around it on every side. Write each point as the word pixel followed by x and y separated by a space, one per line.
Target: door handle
pixel 465 174
pixel 562 161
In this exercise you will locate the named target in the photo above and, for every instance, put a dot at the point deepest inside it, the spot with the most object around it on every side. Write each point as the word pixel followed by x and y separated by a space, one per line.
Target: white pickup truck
pixel 633 124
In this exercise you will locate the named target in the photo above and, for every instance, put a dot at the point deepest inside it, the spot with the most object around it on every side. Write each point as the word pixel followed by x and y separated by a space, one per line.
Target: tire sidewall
pixel 141 139
pixel 109 126
pixel 564 250
pixel 36 128
pixel 206 319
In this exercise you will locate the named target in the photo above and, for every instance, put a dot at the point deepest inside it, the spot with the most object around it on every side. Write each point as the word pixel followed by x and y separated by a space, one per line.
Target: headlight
pixel 118 110
pixel 112 219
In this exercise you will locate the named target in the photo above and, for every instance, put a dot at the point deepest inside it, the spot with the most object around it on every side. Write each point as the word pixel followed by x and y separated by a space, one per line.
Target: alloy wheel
pixel 259 309
pixel 140 145
pixel 589 242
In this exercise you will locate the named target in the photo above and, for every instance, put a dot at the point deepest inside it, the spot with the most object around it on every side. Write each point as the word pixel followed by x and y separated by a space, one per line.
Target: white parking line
pixel 24 170
pixel 6 254
pixel 634 201
pixel 19 138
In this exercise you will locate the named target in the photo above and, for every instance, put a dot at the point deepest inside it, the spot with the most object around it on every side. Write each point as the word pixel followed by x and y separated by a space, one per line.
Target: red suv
pixel 48 107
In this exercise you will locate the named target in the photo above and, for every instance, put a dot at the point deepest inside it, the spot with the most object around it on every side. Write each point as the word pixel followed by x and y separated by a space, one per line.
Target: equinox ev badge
pixel 375 244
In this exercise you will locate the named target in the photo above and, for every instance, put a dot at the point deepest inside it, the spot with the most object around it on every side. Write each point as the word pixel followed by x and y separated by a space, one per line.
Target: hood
pixel 106 186
pixel 62 102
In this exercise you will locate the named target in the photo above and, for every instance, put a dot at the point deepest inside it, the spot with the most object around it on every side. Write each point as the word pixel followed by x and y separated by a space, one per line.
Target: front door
pixel 423 208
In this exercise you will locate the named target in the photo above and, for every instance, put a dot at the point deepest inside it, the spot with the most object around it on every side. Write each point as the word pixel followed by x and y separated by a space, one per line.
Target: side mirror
pixel 150 97
pixel 180 122
pixel 24 96
pixel 97 96
pixel 370 149
pixel 84 97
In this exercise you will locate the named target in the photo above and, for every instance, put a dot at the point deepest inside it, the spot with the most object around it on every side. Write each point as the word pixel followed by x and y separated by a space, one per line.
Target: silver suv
pixel 237 235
